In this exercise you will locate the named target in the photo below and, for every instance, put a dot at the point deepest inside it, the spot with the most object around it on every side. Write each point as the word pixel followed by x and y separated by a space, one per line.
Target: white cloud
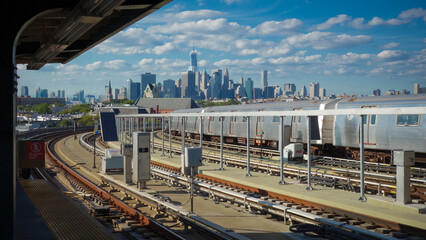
pixel 229 2
pixel 327 40
pixel 197 14
pixel 277 27
pixel 413 13
pixel 339 19
pixel 390 45
pixel 376 21
pixel 392 55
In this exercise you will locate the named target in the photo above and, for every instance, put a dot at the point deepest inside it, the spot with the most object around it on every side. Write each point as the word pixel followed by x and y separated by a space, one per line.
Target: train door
pixel 369 124
pixel 259 124
pixel 232 122
pixel 211 124
pixel 296 127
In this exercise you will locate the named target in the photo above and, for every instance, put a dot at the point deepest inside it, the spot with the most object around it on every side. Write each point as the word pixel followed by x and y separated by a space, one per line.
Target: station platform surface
pixel 45 213
pixel 375 206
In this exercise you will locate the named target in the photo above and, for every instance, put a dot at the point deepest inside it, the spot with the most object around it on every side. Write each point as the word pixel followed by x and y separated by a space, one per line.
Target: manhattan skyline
pixel 349 47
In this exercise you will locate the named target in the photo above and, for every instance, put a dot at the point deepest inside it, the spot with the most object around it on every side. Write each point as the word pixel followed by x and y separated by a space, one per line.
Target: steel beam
pixel 281 143
pixel 248 174
pixel 221 143
pixel 308 129
pixel 361 159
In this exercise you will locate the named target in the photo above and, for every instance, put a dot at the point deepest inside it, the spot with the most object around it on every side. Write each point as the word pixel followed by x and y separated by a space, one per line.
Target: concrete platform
pixel 376 206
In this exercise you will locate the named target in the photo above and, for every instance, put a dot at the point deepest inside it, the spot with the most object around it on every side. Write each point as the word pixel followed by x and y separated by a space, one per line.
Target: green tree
pixel 88 120
pixel 42 108
pixel 65 122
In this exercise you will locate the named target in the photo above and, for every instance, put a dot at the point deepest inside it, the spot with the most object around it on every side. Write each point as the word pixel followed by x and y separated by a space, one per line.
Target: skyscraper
pixel 314 90
pixel 188 84
pixel 416 88
pixel 63 94
pixel 116 92
pixel 264 79
pixel 215 83
pixel 147 78
pixel 38 92
pixel 303 92
pixel 24 91
pixel 44 93
pixel 81 95
pixel 289 89
pixel 322 92
pixel 169 89
pixel 241 81
pixel 264 83
pixel 225 85
pixel 109 92
pixel 249 88
pixel 59 94
pixel 133 90
pixel 193 66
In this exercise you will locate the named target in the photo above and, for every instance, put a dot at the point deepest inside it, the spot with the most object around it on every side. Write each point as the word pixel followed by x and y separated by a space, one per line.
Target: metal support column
pixel 183 136
pixel 152 134
pixel 361 159
pixel 201 132
pixel 221 143
pixel 248 174
pixel 308 129
pixel 144 124
pixel 137 124
pixel 170 137
pixel 125 131
pixel 281 143
pixel 162 136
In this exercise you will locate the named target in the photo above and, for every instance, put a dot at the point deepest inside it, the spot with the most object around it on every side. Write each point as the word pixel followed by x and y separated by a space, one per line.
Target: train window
pixel 299 119
pixel 364 119
pixel 233 119
pixel 244 119
pixel 275 119
pixel 294 119
pixel 407 120
pixel 372 119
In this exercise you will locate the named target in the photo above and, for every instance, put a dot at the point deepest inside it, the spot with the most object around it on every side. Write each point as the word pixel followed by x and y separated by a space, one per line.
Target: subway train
pixel 336 136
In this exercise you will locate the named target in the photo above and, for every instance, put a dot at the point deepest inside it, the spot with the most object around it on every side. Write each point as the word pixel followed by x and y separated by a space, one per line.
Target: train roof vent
pixel 352 100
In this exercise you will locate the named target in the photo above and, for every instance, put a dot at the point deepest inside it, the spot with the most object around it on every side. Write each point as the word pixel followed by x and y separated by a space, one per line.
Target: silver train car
pixel 330 135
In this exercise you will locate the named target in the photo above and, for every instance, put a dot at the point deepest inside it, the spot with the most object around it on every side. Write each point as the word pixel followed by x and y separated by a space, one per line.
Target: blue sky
pixel 346 46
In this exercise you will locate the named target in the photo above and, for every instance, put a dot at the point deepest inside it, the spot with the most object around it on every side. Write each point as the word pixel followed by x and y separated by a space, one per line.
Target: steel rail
pixel 147 221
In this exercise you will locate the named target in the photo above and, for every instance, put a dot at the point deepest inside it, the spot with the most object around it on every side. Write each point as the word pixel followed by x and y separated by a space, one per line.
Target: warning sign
pixel 35 150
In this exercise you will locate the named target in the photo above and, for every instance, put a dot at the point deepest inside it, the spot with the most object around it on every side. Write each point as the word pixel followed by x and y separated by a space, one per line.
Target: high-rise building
pixel 377 92
pixel 249 88
pixel 59 94
pixel 303 92
pixel 264 79
pixel 81 96
pixel 63 94
pixel 147 78
pixel 178 84
pixel 116 92
pixel 44 93
pixel 109 92
pixel 268 92
pixel 123 93
pixel 197 81
pixel 193 66
pixel 314 90
pixel 215 83
pixel 52 94
pixel 188 85
pixel 322 92
pixel 169 89
pixel 257 93
pixel 241 81
pixel 225 85
pixel 289 89
pixel 133 90
pixel 38 92
pixel 24 91
pixel 418 89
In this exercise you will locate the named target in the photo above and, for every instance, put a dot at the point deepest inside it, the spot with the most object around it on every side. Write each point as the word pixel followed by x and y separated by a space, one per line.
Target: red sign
pixel 35 150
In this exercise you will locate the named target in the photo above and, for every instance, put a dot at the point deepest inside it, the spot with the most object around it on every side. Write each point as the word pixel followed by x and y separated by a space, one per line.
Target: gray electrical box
pixel 113 161
pixel 403 158
pixel 193 157
pixel 141 157
pixel 126 149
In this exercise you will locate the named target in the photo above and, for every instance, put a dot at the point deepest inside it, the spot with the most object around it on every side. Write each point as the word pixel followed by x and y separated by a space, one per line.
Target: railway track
pixel 346 179
pixel 135 212
pixel 332 222
pixel 318 160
